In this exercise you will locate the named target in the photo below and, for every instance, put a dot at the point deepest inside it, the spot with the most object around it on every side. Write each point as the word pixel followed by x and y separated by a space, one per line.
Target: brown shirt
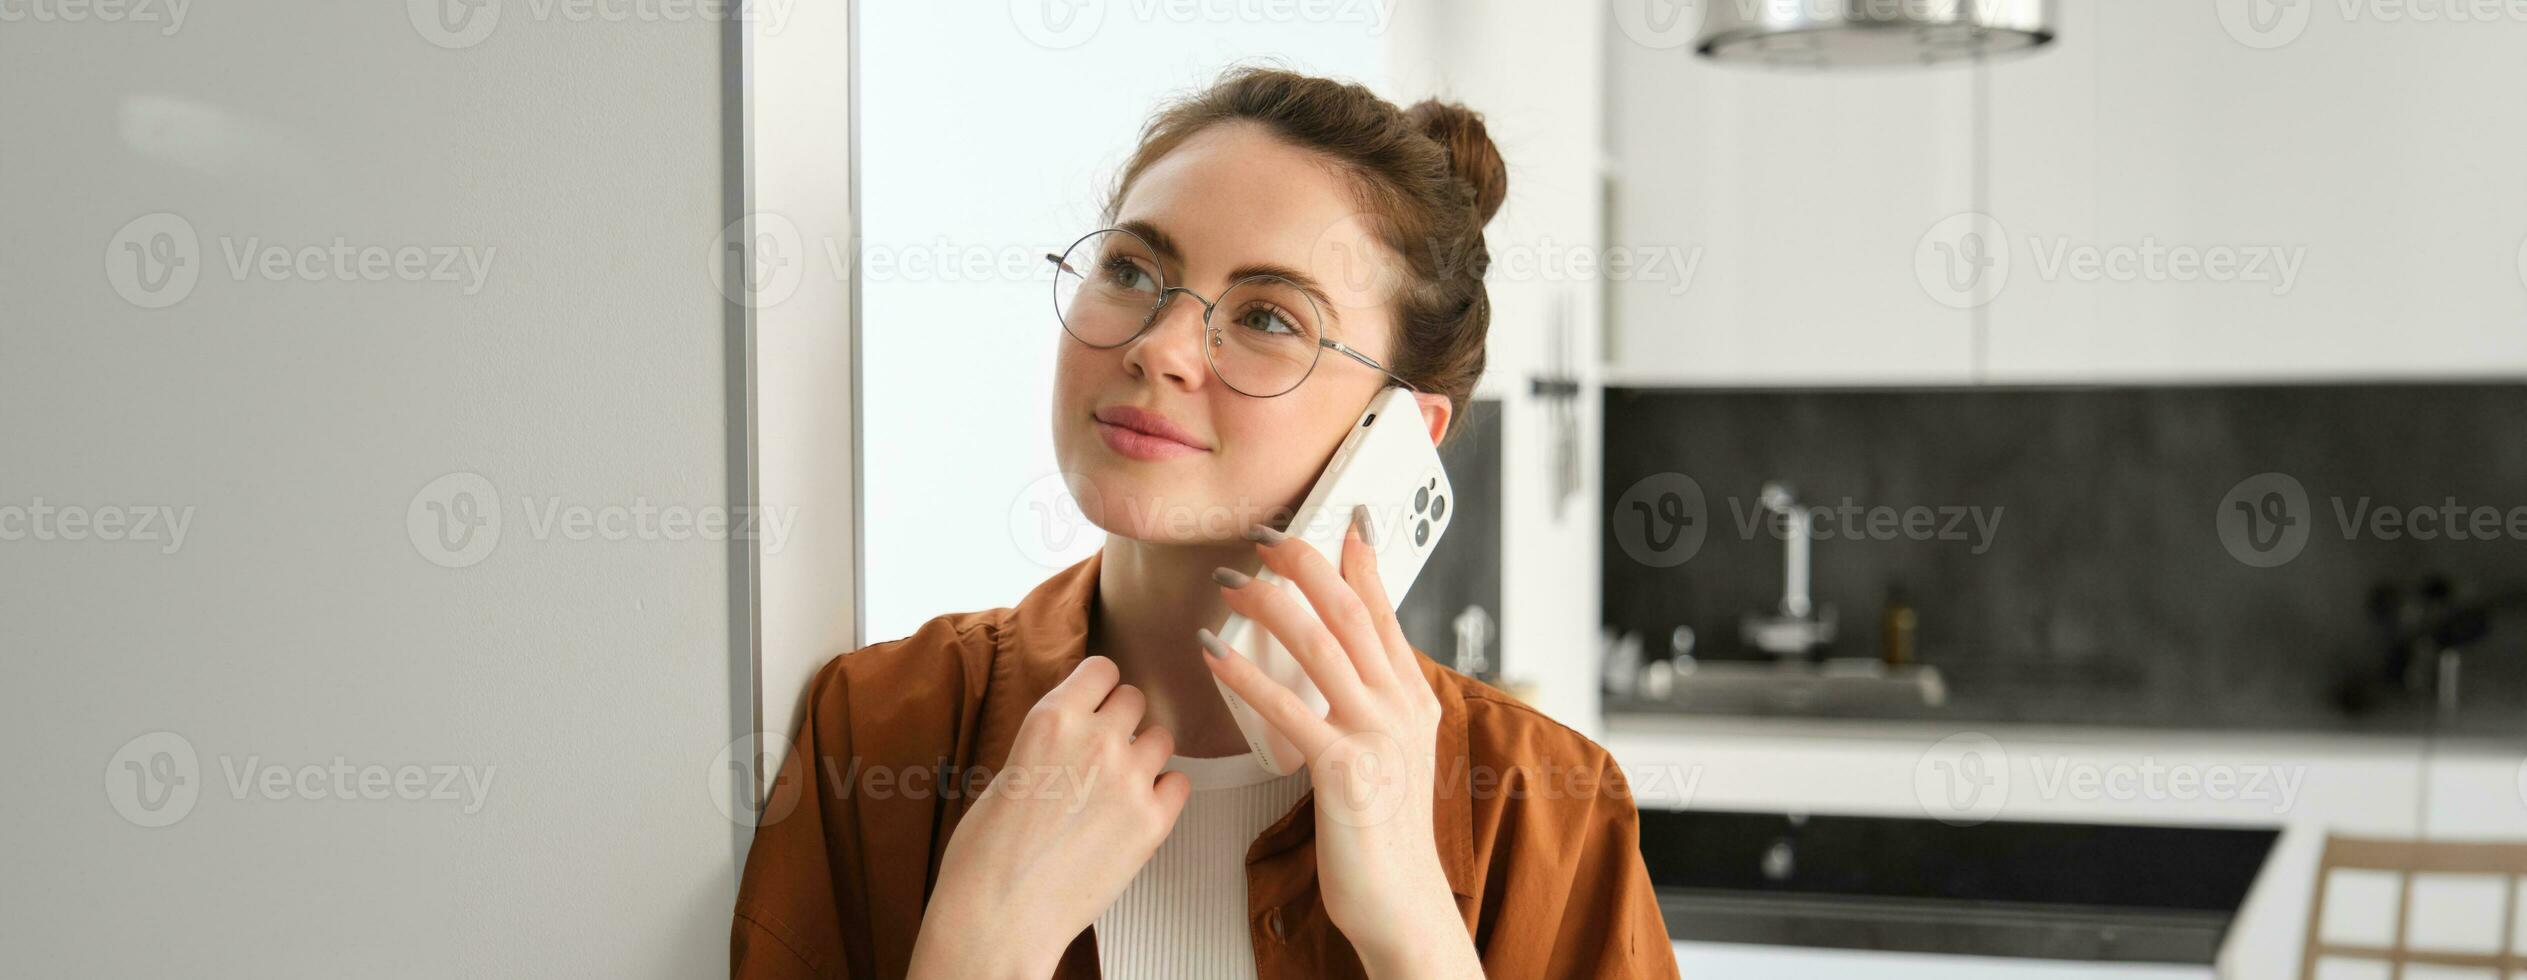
pixel 1535 825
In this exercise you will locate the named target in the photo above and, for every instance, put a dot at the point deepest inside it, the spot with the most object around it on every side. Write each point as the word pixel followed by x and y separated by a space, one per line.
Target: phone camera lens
pixel 1438 507
pixel 1421 532
pixel 1421 499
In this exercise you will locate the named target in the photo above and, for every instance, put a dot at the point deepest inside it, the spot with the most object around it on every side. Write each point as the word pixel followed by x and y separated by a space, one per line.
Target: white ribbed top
pixel 1184 916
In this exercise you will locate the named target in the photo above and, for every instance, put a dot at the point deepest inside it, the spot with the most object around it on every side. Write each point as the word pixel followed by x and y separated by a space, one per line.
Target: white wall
pixel 302 621
pixel 1533 71
pixel 990 140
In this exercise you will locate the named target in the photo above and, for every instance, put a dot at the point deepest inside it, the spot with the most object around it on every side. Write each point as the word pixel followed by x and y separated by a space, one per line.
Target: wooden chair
pixel 2407 858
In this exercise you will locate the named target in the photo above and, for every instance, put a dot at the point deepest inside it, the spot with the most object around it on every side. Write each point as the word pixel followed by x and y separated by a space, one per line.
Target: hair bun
pixel 1471 155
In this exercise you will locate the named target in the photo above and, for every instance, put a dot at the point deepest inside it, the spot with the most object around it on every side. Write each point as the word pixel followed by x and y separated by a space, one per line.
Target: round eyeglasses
pixel 1108 288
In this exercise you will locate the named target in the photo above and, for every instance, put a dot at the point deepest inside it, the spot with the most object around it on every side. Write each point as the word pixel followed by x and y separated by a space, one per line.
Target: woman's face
pixel 1230 198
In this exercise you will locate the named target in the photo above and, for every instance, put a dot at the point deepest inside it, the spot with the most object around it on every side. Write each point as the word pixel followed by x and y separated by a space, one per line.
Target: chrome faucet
pixel 1798 626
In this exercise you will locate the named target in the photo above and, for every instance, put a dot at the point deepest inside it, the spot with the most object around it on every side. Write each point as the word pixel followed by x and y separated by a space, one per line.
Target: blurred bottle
pixel 1896 625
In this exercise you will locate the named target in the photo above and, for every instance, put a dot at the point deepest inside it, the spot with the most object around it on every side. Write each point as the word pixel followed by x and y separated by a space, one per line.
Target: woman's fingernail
pixel 1211 644
pixel 1360 522
pixel 1230 577
pixel 1265 534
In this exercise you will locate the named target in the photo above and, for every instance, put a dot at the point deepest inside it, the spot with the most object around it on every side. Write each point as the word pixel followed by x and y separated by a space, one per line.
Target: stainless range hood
pixel 1820 34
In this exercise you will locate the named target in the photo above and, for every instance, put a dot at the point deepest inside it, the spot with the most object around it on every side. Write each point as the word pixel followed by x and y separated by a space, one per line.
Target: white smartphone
pixel 1389 464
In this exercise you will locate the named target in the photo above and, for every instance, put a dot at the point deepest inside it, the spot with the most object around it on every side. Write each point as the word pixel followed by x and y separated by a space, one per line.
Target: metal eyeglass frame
pixel 1210 330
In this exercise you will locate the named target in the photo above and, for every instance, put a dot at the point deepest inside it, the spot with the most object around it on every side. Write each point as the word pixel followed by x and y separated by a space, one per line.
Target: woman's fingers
pixel 1279 707
pixel 1123 708
pixel 1338 605
pixel 1086 687
pixel 1283 614
pixel 1360 568
pixel 1153 747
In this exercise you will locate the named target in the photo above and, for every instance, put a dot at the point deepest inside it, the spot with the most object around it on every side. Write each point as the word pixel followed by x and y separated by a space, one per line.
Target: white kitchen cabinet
pixel 2181 199
pixel 2358 177
pixel 1772 217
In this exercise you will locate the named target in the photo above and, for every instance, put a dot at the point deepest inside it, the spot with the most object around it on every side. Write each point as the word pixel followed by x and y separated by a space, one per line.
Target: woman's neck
pixel 1150 599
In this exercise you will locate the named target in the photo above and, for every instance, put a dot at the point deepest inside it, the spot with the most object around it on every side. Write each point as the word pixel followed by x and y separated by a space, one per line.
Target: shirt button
pixel 1280 929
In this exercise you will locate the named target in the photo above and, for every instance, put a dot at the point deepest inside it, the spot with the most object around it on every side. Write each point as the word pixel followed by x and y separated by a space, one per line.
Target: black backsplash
pixel 2105 593
pixel 1464 569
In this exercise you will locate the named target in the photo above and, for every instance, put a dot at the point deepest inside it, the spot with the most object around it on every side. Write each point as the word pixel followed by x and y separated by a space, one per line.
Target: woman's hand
pixel 1370 759
pixel 1068 821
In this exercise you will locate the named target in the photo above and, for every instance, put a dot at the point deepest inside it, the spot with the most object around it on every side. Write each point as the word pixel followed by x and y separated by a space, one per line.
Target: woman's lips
pixel 1141 445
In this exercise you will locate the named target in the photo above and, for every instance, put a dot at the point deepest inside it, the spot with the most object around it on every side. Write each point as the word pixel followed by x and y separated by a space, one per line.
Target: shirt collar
pixel 1046 636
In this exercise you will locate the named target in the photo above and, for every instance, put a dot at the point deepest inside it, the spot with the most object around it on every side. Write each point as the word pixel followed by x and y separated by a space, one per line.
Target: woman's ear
pixel 1435 410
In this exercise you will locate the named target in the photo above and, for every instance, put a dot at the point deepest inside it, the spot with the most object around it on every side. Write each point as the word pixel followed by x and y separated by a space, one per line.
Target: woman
pixel 1057 789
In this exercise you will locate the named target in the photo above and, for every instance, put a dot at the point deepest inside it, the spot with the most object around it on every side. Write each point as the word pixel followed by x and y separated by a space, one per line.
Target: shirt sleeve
pixel 789 914
pixel 1592 914
pixel 1613 925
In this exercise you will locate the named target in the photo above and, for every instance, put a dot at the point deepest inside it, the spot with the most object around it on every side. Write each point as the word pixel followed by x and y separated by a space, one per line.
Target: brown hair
pixel 1428 176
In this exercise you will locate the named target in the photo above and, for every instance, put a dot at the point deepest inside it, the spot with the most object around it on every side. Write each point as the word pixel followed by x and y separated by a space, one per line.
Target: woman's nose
pixel 1172 346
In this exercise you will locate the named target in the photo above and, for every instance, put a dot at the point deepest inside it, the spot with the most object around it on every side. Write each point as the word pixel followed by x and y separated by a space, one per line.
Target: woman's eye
pixel 1128 274
pixel 1264 319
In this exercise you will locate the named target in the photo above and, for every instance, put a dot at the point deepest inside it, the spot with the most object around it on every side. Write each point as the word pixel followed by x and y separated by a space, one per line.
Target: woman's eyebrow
pixel 1167 250
pixel 1297 278
pixel 1157 239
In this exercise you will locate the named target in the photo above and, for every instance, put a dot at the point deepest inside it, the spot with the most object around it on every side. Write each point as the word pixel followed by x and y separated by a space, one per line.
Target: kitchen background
pixel 2025 489
pixel 2151 398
